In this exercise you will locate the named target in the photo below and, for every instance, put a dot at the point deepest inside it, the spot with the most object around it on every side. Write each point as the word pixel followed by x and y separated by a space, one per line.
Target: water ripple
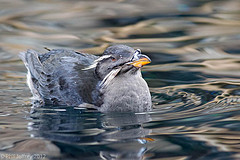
pixel 193 79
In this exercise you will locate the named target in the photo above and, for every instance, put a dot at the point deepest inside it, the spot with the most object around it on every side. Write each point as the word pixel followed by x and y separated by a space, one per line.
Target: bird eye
pixel 113 59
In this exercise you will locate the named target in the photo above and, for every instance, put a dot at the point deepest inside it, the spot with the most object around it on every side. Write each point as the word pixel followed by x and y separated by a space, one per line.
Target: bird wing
pixel 58 78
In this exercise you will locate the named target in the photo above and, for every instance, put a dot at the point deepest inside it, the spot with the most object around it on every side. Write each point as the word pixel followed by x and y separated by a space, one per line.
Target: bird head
pixel 117 60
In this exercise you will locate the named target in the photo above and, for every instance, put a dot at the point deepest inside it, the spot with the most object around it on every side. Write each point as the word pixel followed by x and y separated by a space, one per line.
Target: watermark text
pixel 22 156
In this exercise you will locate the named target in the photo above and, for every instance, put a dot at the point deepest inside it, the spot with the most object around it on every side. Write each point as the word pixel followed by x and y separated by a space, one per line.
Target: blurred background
pixel 194 79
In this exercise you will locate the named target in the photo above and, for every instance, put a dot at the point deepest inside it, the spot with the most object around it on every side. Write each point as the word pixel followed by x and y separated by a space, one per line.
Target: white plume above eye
pixel 96 62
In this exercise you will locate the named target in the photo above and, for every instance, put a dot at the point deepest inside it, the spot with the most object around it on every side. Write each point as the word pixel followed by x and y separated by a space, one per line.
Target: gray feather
pixel 57 76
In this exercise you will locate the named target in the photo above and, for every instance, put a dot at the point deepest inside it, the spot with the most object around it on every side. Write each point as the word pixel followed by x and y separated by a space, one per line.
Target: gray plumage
pixel 110 82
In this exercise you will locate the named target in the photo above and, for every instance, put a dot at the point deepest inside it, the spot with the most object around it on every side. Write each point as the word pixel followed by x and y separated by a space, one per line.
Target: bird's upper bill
pixel 141 62
pixel 139 59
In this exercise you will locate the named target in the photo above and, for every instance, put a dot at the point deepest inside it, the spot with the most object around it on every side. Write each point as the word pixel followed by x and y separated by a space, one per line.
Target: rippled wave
pixel 193 78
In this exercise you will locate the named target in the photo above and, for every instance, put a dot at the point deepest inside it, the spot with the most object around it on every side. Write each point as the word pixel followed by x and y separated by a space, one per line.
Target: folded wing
pixel 58 77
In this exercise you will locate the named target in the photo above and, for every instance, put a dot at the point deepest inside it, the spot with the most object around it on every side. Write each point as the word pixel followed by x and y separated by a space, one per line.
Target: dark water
pixel 194 79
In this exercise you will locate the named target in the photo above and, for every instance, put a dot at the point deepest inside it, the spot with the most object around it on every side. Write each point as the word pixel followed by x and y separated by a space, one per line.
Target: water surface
pixel 194 79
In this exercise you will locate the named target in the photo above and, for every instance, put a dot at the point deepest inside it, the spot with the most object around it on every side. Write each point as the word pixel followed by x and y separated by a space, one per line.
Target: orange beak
pixel 141 61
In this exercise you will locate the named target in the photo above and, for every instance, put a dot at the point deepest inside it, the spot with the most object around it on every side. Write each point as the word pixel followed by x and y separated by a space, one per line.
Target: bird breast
pixel 126 93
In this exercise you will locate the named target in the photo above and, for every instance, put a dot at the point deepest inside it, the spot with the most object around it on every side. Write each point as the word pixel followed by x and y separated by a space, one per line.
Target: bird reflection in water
pixel 77 131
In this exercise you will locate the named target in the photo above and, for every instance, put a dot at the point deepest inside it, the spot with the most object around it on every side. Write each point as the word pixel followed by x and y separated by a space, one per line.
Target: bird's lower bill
pixel 141 62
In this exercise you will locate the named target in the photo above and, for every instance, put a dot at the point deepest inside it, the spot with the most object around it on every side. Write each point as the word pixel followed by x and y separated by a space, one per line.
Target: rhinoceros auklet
pixel 111 82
